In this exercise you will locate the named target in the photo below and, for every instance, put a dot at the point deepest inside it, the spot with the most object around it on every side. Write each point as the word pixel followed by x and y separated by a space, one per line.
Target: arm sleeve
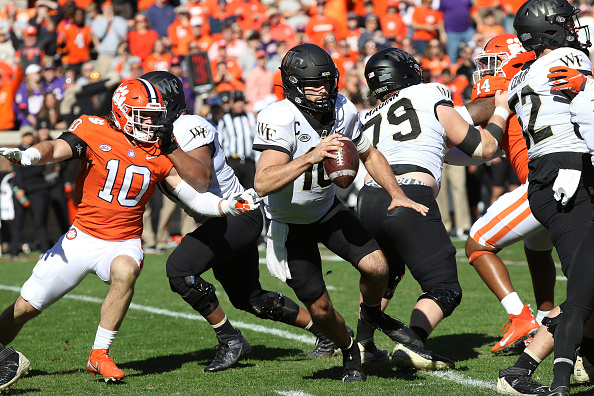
pixel 206 204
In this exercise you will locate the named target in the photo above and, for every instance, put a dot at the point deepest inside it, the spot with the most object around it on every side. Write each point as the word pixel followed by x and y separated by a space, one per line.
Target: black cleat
pixel 351 363
pixel 393 328
pixel 518 381
pixel 559 391
pixel 13 365
pixel 325 347
pixel 413 356
pixel 228 354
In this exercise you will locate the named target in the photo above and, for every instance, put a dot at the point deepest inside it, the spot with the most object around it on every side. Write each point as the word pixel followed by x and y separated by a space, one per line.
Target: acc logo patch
pixel 71 234
pixel 304 138
pixel 105 147
pixel 131 153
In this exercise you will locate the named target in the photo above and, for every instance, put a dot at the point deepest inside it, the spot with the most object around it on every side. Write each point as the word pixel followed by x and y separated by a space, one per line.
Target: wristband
pixel 501 112
pixel 33 154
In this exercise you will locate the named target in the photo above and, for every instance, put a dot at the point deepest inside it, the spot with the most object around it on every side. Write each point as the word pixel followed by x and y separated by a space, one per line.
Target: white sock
pixel 512 304
pixel 540 315
pixel 104 338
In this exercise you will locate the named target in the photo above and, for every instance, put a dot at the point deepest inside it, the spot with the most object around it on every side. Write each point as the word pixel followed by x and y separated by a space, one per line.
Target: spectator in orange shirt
pixel 392 23
pixel 123 62
pixel 259 81
pixel 158 59
pixel 28 50
pixel 234 42
pixel 220 13
pixel 232 66
pixel 435 59
pixel 179 30
pixel 141 38
pixel 339 51
pixel 224 81
pixel 456 83
pixel 353 33
pixel 250 13
pixel 75 42
pixel 198 40
pixel 336 10
pixel 427 24
pixel 279 29
pixel 490 28
pixel 7 96
pixel 319 25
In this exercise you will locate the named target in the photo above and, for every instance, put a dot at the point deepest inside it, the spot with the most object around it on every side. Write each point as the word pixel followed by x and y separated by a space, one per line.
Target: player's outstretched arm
pixel 39 154
pixel 208 204
pixel 378 168
pixel 568 81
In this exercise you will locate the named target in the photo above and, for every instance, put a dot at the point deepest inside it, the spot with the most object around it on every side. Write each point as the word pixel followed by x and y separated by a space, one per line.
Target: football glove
pixel 165 134
pixel 241 202
pixel 29 157
pixel 566 79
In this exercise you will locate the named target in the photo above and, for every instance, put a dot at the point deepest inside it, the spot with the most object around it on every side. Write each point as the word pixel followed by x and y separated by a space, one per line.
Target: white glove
pixel 566 185
pixel 29 157
pixel 241 202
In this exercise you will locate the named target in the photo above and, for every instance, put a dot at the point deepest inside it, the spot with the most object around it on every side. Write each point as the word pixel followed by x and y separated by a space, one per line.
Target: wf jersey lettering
pixel 265 131
pixel 571 60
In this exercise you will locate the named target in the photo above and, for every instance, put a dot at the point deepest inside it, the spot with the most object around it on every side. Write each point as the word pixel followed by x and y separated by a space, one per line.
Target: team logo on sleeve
pixel 105 147
pixel 71 234
pixel 131 153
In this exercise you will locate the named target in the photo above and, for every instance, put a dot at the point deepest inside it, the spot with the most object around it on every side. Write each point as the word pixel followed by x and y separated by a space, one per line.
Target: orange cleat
pixel 101 363
pixel 517 328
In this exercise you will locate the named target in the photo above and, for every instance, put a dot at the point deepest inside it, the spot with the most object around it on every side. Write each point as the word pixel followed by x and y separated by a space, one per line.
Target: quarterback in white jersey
pixel 295 135
pixel 560 179
pixel 413 127
pixel 228 245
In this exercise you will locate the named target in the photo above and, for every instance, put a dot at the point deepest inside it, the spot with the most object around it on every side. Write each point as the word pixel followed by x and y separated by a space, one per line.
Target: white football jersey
pixel 405 128
pixel 191 132
pixel 281 126
pixel 582 114
pixel 544 114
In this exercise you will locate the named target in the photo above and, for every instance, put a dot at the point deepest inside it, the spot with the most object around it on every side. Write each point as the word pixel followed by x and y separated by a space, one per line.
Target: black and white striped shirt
pixel 236 134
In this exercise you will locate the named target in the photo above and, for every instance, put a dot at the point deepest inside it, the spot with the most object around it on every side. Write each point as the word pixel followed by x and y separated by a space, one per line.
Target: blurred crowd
pixel 60 59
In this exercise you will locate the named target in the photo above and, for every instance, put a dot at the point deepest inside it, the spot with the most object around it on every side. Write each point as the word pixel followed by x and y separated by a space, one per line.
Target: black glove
pixel 165 134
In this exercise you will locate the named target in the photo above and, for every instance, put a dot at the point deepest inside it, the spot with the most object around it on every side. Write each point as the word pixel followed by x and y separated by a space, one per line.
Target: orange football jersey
pixel 513 142
pixel 115 181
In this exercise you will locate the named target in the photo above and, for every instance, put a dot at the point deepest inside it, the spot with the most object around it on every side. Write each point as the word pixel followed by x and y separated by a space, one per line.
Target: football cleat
pixel 518 381
pixel 371 353
pixel 100 363
pixel 326 347
pixel 393 328
pixel 351 363
pixel 517 328
pixel 559 391
pixel 413 356
pixel 228 354
pixel 13 365
pixel 583 370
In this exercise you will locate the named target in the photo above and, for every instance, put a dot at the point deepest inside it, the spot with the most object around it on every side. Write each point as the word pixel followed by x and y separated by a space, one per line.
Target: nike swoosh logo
pixel 148 157
pixel 506 339
pixel 94 367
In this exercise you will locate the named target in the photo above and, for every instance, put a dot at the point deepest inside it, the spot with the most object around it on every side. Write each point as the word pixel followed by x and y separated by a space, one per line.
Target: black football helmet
pixel 391 69
pixel 305 63
pixel 172 91
pixel 549 23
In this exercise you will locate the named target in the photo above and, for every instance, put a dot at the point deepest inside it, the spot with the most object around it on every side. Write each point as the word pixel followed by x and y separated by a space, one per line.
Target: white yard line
pixel 446 375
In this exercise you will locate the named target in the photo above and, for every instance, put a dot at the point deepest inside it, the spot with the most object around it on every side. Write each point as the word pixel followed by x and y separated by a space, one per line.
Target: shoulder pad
pixel 278 113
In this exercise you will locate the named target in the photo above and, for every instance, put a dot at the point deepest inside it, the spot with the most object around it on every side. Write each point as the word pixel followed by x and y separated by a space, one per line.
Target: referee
pixel 236 134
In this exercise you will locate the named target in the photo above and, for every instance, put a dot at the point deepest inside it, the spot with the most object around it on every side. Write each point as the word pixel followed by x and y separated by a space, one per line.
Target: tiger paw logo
pixel 514 45
pixel 119 95
pixel 71 234
pixel 131 153
pixel 242 206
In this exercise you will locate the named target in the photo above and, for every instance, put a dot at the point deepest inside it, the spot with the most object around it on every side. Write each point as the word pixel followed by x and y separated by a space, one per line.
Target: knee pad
pixel 391 287
pixel 473 256
pixel 551 323
pixel 447 300
pixel 275 306
pixel 197 292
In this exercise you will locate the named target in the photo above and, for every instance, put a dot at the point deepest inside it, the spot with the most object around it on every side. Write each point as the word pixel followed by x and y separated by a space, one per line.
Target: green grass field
pixel 163 345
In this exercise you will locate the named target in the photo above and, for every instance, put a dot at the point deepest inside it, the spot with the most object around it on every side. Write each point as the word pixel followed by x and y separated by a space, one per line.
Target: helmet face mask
pixel 544 24
pixel 495 56
pixel 391 69
pixel 136 107
pixel 306 68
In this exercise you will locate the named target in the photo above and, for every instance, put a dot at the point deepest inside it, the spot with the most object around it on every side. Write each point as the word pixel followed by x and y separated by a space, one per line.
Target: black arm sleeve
pixel 78 146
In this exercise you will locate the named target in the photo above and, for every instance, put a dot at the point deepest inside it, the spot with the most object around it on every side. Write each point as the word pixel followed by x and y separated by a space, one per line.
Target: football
pixel 342 170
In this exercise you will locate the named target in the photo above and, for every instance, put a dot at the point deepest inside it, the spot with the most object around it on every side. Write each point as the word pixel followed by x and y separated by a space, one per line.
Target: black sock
pixel 351 356
pixel 526 361
pixel 364 333
pixel 420 333
pixel 562 372
pixel 373 313
pixel 225 332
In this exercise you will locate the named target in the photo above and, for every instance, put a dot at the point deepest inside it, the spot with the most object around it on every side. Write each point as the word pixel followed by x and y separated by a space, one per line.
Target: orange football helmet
pixel 502 56
pixel 137 106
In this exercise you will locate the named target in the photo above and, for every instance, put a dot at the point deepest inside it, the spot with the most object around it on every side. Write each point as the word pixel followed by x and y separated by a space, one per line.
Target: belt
pixel 403 181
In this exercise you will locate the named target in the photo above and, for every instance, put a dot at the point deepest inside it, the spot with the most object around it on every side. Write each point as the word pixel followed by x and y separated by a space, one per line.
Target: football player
pixel 413 127
pixel 560 180
pixel 123 156
pixel 509 219
pixel 295 135
pixel 228 245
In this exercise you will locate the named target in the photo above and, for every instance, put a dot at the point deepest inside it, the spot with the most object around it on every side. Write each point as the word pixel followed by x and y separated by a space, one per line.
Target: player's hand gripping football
pixel 241 202
pixel 24 158
pixel 566 80
pixel 165 134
